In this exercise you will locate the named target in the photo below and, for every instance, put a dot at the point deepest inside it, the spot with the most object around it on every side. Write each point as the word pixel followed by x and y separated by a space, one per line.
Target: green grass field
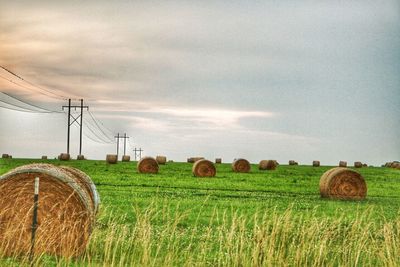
pixel 263 218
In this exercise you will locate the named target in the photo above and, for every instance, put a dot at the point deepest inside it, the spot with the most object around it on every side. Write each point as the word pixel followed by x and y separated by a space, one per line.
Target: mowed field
pixel 262 218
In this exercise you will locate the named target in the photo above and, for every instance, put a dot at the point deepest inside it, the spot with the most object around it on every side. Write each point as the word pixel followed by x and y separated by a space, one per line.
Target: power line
pixel 53 95
pixel 26 109
pixel 98 126
pixel 29 104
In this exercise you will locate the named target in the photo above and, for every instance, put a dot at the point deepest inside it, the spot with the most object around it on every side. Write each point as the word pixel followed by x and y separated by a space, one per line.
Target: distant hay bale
pixel 68 202
pixel 218 161
pixel 64 157
pixel 10 156
pixel 365 165
pixel 161 160
pixel 112 158
pixel 147 165
pixel 44 157
pixel 342 183
pixel 5 156
pixel 343 164
pixel 126 158
pixel 194 159
pixel 316 163
pixel 388 164
pixel 241 165
pixel 204 168
pixel 267 165
pixel 358 164
pixel 395 165
pixel 80 157
pixel 293 163
pixel 170 161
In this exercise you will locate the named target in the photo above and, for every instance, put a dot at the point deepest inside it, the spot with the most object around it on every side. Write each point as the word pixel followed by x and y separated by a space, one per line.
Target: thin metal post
pixel 69 123
pixel 117 144
pixel 80 139
pixel 35 219
pixel 125 144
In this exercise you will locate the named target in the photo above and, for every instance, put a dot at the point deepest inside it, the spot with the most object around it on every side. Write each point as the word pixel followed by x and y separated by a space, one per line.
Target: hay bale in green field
pixel 342 183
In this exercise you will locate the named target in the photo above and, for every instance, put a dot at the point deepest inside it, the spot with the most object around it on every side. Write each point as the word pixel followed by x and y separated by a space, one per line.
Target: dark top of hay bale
pixel 267 165
pixel 316 163
pixel 204 168
pixel 126 158
pixel 68 202
pixel 358 164
pixel 343 183
pixel 147 165
pixel 342 164
pixel 161 160
pixel 111 158
pixel 64 157
pixel 241 165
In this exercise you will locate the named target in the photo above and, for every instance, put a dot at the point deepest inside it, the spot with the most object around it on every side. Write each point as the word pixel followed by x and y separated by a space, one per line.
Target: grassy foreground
pixel 273 218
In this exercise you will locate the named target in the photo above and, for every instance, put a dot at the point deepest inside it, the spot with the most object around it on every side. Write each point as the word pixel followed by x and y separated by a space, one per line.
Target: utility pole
pixel 75 119
pixel 138 153
pixel 121 137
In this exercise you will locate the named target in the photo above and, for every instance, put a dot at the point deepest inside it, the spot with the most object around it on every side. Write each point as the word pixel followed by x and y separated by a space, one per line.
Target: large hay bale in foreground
pixel 241 165
pixel 316 163
pixel 126 158
pixel 112 158
pixel 68 202
pixel 267 165
pixel 342 183
pixel 204 168
pixel 161 160
pixel 147 165
pixel 64 157
pixel 343 164
pixel 358 164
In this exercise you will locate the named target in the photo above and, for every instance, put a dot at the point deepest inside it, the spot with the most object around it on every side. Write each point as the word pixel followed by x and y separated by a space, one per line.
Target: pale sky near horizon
pixel 281 80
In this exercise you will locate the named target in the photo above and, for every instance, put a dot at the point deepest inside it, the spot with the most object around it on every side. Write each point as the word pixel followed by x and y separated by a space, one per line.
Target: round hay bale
pixel 190 160
pixel 358 164
pixel 126 158
pixel 218 161
pixel 44 157
pixel 365 165
pixel 5 156
pixel 241 165
pixel 343 164
pixel 395 165
pixel 204 168
pixel 316 163
pixel 293 163
pixel 147 165
pixel 68 202
pixel 80 157
pixel 342 183
pixel 64 157
pixel 267 165
pixel 161 160
pixel 112 158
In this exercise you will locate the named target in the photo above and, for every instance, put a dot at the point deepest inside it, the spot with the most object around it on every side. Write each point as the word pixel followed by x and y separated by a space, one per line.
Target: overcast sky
pixel 281 80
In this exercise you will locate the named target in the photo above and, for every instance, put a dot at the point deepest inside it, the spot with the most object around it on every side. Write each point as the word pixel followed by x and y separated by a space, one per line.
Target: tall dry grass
pixel 160 236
